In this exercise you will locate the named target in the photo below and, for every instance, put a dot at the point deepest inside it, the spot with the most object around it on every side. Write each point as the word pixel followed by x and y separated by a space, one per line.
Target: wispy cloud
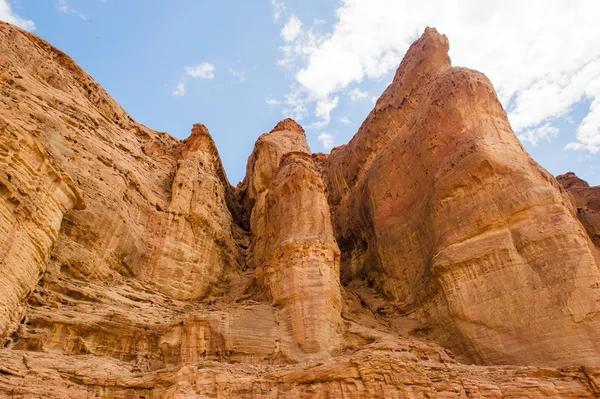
pixel 201 71
pixel 291 29
pixel 8 15
pixel 357 95
pixel 64 8
pixel 344 120
pixel 539 72
pixel 278 10
pixel 239 75
pixel 294 105
pixel 205 71
pixel 536 134
pixel 326 140
pixel 179 90
pixel 323 112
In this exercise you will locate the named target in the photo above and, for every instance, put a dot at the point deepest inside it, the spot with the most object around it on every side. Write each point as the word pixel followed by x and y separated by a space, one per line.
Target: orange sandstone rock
pixel 299 260
pixel 587 202
pixel 130 268
pixel 442 224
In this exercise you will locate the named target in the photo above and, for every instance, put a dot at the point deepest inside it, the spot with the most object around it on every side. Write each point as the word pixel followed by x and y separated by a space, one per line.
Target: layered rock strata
pixel 198 242
pixel 34 197
pixel 299 258
pixel 130 268
pixel 441 224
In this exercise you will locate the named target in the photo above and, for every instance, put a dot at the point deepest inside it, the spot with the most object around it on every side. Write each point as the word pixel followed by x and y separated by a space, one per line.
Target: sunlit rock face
pixel 131 268
pixel 299 265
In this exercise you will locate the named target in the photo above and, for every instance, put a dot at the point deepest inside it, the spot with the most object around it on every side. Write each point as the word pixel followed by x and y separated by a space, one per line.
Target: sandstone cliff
pixel 441 224
pixel 131 268
pixel 586 200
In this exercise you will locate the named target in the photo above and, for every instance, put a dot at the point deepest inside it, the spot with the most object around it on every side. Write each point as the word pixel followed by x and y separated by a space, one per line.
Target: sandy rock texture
pixel 586 200
pixel 34 196
pixel 299 261
pixel 131 268
pixel 454 221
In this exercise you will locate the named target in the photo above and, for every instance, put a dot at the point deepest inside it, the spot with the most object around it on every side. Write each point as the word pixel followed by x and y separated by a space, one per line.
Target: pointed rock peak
pixel 430 44
pixel 433 34
pixel 199 130
pixel 288 124
pixel 425 58
pixel 199 140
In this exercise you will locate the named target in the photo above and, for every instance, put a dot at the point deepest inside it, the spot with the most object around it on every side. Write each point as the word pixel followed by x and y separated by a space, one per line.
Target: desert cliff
pixel 431 256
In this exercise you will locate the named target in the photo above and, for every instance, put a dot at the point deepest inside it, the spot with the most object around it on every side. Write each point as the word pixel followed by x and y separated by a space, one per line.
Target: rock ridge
pixel 428 257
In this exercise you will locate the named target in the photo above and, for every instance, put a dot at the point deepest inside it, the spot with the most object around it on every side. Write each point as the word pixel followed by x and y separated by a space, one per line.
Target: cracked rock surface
pixel 428 257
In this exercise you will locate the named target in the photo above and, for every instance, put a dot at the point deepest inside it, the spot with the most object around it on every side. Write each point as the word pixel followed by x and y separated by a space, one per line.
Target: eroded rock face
pixel 130 268
pixel 299 260
pixel 587 201
pixel 198 244
pixel 423 61
pixel 143 207
pixel 34 197
pixel 447 231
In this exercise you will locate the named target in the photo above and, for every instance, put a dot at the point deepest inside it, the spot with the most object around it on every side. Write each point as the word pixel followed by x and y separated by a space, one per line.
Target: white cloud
pixel 326 140
pixel 294 105
pixel 272 102
pixel 345 120
pixel 535 134
pixel 7 15
pixel 238 76
pixel 323 111
pixel 201 71
pixel 542 56
pixel 179 90
pixel 63 7
pixel 292 29
pixel 358 95
pixel 588 132
pixel 278 10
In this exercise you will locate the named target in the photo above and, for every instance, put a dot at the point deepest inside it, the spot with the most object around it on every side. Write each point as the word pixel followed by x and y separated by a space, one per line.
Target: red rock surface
pixel 130 268
pixel 587 201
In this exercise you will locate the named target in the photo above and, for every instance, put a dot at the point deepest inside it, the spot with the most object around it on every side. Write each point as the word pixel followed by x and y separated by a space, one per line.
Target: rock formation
pixel 131 268
pixel 586 200
pixel 441 224
pixel 298 261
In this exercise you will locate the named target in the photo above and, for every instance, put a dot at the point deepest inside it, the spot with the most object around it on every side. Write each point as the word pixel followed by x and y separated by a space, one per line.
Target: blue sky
pixel 241 66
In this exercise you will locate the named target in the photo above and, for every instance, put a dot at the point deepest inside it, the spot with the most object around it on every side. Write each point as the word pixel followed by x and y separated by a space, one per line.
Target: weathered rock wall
pixel 299 265
pixel 130 268
pixel 586 200
pixel 442 225
pixel 34 197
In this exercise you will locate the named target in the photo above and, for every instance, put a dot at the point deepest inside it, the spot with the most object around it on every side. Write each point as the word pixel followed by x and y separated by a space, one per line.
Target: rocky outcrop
pixel 34 196
pixel 130 268
pixel 586 200
pixel 441 224
pixel 293 248
pixel 147 216
pixel 298 261
pixel 198 243
pixel 423 61
pixel 264 161
pixel 405 370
